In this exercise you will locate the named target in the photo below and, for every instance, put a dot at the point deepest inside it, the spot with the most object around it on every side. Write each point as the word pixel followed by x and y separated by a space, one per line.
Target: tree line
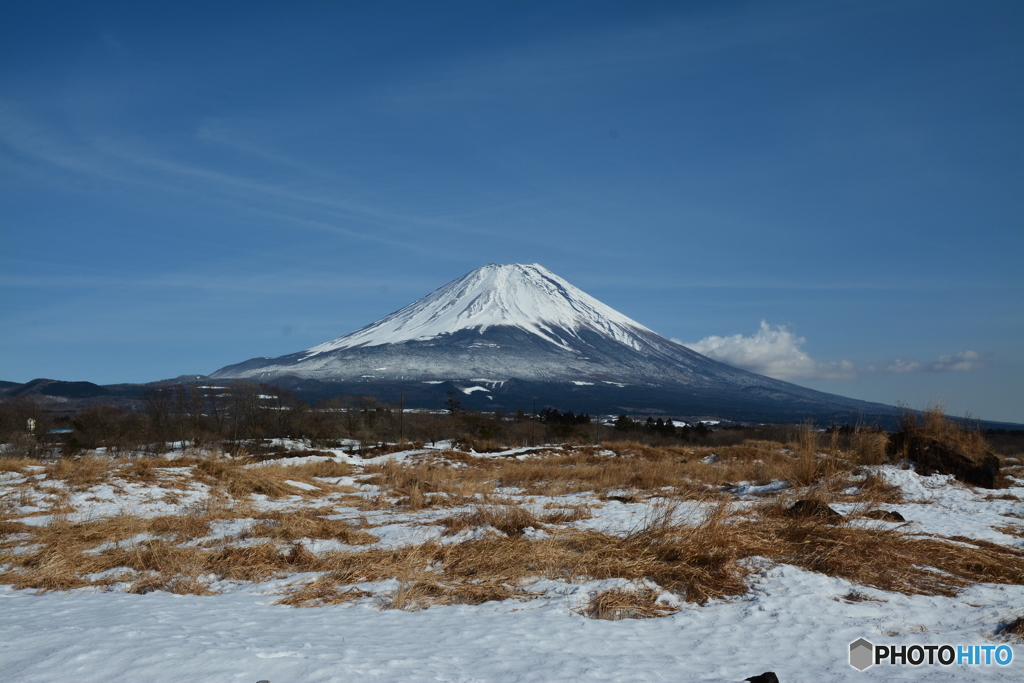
pixel 233 417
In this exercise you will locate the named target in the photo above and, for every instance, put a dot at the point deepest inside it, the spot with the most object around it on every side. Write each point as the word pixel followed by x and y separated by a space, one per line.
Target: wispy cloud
pixel 777 352
pixel 965 361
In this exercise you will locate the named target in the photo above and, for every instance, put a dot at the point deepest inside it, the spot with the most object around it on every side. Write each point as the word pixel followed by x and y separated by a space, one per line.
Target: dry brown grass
pixel 184 527
pixel 698 560
pixel 297 525
pixel 453 478
pixel 869 447
pixel 433 477
pixel 617 603
pixel 82 473
pixel 241 481
pixel 181 585
pixel 952 434
pixel 934 423
pixel 566 514
pixel 326 469
pixel 17 464
pixel 884 558
pixel 325 590
pixel 510 520
pixel 635 467
pixel 142 469
pixel 12 527
pixel 412 596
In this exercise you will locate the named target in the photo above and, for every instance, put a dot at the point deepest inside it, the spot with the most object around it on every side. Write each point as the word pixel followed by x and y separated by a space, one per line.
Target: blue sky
pixel 829 192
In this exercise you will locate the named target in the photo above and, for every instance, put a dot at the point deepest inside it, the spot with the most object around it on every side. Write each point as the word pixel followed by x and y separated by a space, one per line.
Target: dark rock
pixel 766 677
pixel 811 508
pixel 936 457
pixel 885 515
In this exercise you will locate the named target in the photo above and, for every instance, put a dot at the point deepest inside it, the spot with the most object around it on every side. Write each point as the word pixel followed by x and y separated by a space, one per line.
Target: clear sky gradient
pixel 828 192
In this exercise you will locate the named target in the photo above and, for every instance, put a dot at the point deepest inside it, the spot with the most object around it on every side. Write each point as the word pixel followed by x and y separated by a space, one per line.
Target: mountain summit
pixel 507 332
pixel 528 297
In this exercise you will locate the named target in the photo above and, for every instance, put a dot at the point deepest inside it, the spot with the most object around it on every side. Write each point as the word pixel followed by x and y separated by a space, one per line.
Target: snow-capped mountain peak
pixel 532 334
pixel 528 297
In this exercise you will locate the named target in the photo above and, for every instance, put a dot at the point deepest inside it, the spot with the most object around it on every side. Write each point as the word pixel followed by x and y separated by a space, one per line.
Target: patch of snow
pixel 301 485
pixel 743 488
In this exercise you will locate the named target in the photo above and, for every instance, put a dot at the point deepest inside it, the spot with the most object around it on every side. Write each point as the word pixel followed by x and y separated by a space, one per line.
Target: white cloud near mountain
pixel 772 351
pixel 775 351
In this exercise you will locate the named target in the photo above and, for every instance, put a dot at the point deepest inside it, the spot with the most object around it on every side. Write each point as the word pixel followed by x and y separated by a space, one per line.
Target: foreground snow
pixel 792 622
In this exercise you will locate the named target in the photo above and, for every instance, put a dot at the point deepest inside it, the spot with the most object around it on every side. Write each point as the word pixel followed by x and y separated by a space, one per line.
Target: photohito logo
pixel 864 654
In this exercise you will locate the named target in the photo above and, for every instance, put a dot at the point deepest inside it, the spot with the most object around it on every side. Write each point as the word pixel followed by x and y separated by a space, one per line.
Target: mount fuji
pixel 505 335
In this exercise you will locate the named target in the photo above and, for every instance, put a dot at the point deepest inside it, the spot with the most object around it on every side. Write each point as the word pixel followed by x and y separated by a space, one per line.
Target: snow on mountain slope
pixel 528 297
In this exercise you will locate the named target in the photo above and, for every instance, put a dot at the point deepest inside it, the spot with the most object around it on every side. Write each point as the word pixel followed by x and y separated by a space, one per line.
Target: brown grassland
pixel 47 545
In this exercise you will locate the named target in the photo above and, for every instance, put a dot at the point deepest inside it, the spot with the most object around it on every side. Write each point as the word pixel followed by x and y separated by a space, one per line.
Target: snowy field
pixel 124 623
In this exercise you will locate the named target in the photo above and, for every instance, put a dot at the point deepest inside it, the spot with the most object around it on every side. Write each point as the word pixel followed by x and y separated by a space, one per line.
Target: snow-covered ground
pixel 794 622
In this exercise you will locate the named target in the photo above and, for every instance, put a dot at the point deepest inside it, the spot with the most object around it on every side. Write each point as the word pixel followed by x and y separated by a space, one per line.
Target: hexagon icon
pixel 862 654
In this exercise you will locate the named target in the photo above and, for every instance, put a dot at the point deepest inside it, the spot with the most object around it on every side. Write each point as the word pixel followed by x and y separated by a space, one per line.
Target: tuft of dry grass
pixel 184 527
pixel 325 590
pixel 17 464
pixel 82 473
pixel 180 585
pixel 565 515
pixel 143 469
pixel 413 596
pixel 936 425
pixel 617 603
pixel 241 482
pixel 433 477
pixel 50 568
pixel 933 424
pixel 293 526
pixel 882 558
pixel 869 447
pixel 325 469
pixel 510 520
